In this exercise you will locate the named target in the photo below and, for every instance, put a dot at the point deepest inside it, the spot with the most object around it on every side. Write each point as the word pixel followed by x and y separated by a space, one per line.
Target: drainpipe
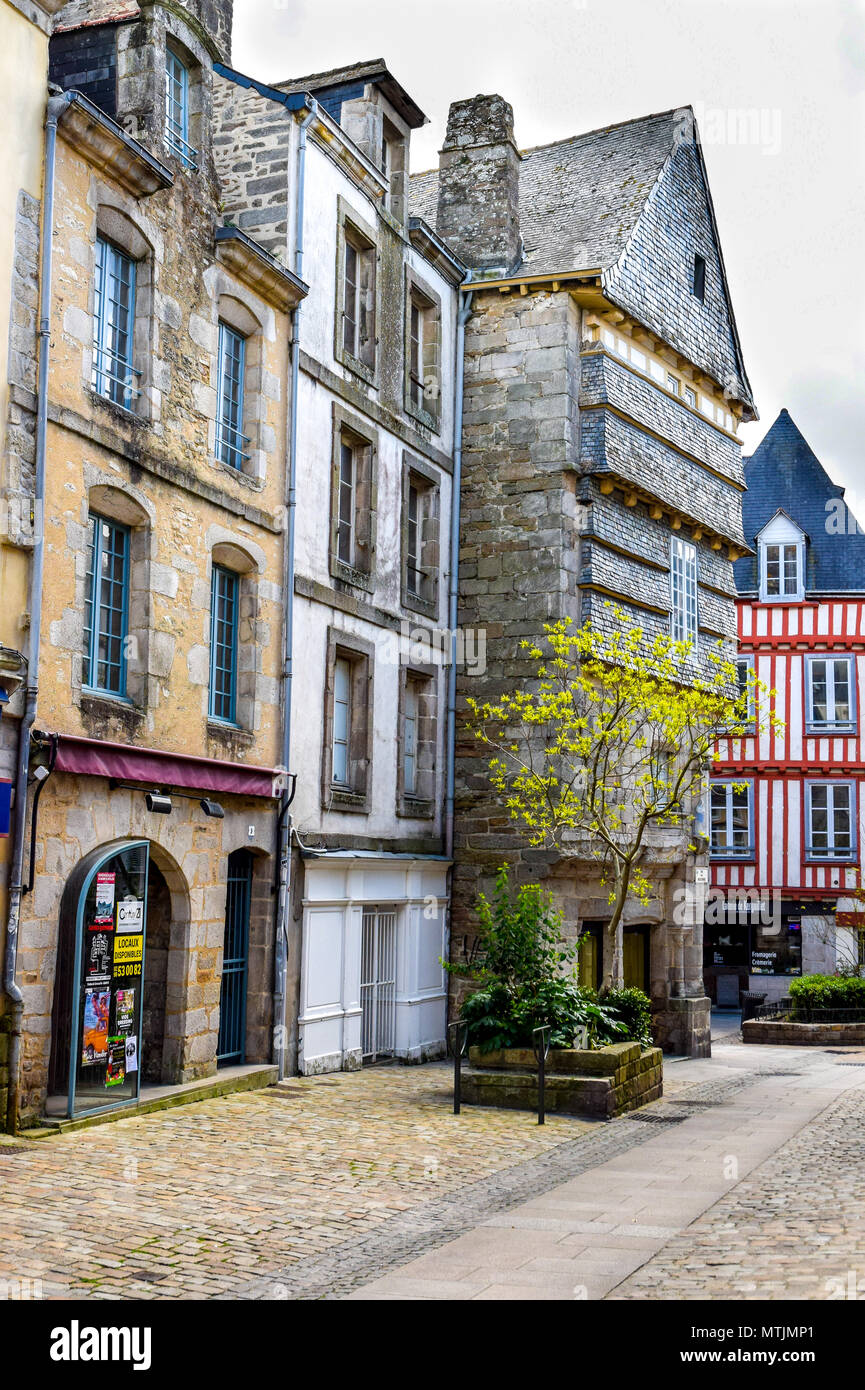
pixel 284 822
pixel 463 315
pixel 465 309
pixel 55 109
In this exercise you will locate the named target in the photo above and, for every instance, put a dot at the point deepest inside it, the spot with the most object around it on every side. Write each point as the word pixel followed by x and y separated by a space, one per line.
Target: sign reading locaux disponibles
pixel 128 952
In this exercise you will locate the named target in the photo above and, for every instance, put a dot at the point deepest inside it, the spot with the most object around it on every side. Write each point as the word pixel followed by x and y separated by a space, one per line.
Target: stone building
pixel 24 34
pixel 146 943
pixel 376 362
pixel 787 831
pixel 603 389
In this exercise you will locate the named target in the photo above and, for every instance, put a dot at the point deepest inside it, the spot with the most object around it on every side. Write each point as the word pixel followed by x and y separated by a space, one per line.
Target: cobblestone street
pixel 744 1181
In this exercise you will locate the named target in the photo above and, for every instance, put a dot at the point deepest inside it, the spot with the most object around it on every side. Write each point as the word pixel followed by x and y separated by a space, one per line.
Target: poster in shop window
pixel 116 1070
pixel 94 1045
pixel 111 943
pixel 103 915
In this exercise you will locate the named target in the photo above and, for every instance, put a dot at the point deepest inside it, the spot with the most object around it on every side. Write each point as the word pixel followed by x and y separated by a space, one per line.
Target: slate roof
pixel 579 198
pixel 580 201
pixel 374 70
pixel 784 474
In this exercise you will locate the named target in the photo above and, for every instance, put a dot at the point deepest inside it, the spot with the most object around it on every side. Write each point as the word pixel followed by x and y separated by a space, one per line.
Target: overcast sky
pixel 789 192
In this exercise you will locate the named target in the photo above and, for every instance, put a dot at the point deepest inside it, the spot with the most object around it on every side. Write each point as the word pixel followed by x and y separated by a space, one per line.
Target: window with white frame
pixel 177 110
pixel 830 692
pixel 782 570
pixel 781 547
pixel 683 585
pixel 830 817
pixel 731 820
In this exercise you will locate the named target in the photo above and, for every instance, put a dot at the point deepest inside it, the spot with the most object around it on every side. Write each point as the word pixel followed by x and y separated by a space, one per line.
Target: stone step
pixel 153 1098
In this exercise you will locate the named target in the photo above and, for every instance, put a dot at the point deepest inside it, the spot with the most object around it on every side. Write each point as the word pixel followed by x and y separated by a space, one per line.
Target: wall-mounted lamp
pixel 159 804
pixel 211 808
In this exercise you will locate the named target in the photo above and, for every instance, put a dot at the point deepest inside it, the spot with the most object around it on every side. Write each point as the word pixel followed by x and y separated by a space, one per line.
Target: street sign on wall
pixel 5 807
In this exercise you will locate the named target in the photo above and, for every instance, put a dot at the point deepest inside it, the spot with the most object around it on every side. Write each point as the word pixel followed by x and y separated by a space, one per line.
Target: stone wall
pixel 757 1030
pixel 603 1084
pixel 78 814
pixel 479 184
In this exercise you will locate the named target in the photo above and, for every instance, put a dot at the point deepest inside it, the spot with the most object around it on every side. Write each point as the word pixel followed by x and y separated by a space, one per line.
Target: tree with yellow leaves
pixel 612 742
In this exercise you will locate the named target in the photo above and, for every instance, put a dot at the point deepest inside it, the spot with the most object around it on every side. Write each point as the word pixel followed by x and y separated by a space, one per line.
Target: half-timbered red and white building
pixel 787 803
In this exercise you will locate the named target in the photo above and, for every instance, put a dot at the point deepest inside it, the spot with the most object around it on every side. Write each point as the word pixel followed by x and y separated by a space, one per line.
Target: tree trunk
pixel 614 977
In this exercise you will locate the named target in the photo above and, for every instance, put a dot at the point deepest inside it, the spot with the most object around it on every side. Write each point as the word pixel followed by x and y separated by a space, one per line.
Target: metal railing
pixel 797 1011
pixel 122 380
pixel 178 145
pixel 229 440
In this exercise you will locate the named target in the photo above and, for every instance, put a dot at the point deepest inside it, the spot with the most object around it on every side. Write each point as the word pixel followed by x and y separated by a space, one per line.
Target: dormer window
pixel 782 571
pixel 177 110
pixel 782 561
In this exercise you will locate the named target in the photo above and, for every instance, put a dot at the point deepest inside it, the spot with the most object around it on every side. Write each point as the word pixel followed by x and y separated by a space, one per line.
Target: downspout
pixel 284 822
pixel 463 315
pixel 56 107
pixel 465 309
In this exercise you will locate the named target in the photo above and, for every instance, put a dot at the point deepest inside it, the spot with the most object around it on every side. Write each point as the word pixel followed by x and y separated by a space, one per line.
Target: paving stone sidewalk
pixel 336 1186
pixel 793 1229
pixel 584 1238
pixel 196 1202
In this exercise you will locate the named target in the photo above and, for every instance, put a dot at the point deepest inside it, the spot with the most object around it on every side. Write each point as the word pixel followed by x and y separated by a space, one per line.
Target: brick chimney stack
pixel 479 184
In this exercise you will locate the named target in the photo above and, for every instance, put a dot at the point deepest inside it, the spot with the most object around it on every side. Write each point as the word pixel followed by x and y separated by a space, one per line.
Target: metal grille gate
pixel 231 1046
pixel 378 984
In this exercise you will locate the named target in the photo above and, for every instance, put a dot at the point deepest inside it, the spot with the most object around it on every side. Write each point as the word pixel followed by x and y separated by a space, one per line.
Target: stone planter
pixel 761 1030
pixel 602 1084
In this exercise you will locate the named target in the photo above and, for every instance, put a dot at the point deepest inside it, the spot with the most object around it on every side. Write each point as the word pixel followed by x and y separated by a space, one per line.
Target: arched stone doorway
pixel 130 998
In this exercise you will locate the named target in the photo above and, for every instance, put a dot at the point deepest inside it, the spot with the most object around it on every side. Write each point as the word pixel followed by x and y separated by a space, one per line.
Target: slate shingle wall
pixel 606 378
pixel 653 278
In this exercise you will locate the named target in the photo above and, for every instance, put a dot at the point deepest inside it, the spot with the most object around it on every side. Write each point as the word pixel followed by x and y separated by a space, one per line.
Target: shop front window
pixel 106 1012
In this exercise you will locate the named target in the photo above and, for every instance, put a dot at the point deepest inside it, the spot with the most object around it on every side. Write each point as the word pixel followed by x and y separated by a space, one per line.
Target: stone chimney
pixel 479 184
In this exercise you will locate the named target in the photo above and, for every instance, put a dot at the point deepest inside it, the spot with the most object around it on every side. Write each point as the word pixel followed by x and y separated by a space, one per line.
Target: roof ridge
pixel 602 129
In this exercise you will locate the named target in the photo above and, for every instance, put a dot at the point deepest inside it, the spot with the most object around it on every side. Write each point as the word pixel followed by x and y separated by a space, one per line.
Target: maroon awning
pixel 95 758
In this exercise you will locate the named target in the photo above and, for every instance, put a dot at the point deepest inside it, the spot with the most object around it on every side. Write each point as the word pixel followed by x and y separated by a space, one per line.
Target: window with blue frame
pixel 177 110
pixel 731 820
pixel 831 694
pixel 830 814
pixel 107 612
pixel 230 439
pixel 224 601
pixel 114 376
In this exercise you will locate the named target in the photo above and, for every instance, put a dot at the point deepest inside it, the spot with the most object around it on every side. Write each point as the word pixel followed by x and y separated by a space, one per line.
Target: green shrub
pixel 634 1008
pixel 828 992
pixel 498 1017
pixel 526 976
